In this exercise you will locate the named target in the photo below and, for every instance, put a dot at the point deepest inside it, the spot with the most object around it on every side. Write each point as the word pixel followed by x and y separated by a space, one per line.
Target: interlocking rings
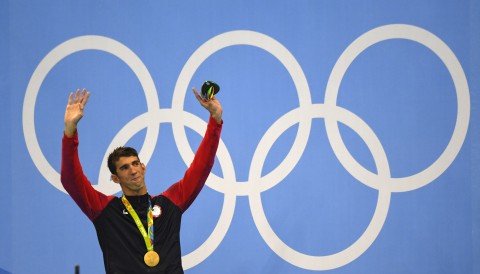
pixel 302 115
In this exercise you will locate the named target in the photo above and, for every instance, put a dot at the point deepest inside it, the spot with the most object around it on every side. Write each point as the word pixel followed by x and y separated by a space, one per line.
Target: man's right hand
pixel 74 111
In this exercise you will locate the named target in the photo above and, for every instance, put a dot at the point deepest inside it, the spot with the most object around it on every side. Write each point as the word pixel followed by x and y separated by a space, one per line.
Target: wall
pixel 350 139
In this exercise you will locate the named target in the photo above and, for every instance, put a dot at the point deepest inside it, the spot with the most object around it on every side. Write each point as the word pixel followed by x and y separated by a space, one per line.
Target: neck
pixel 129 192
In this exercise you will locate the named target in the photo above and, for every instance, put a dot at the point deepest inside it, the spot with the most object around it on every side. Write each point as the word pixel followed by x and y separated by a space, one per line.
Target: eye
pixel 136 163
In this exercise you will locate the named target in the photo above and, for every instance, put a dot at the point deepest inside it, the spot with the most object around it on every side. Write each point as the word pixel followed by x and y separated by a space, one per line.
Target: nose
pixel 133 171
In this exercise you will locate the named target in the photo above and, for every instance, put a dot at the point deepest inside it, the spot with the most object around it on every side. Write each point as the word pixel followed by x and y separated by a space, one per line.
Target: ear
pixel 115 178
pixel 144 167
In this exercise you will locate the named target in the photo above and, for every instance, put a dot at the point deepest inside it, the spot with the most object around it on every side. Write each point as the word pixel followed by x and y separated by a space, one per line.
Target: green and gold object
pixel 209 88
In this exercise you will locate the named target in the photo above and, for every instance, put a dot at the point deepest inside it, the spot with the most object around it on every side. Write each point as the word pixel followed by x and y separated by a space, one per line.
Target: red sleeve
pixel 90 201
pixel 184 192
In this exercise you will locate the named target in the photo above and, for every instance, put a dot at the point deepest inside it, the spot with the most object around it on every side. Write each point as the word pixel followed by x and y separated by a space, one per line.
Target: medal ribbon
pixel 147 237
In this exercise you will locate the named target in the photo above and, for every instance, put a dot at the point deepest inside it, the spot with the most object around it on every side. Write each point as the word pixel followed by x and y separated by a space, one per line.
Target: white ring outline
pixel 446 55
pixel 87 42
pixel 352 252
pixel 262 41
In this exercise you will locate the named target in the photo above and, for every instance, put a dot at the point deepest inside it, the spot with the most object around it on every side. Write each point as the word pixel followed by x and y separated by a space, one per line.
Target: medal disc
pixel 151 258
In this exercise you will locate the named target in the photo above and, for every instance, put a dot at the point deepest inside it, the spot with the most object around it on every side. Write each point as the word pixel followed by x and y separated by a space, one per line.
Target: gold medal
pixel 151 258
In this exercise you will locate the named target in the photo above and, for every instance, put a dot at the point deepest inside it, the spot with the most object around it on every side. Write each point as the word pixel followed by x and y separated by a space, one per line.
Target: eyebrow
pixel 132 163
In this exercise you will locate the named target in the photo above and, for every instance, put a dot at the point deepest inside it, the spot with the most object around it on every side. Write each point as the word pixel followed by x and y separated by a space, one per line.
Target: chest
pixel 116 221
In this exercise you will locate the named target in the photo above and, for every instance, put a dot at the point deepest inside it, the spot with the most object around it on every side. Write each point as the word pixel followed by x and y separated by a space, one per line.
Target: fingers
pixel 202 100
pixel 70 98
pixel 199 98
pixel 75 99
pixel 81 97
pixel 86 95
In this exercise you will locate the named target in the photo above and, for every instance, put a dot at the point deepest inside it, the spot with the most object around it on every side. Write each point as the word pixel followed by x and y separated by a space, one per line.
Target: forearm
pixel 71 171
pixel 90 201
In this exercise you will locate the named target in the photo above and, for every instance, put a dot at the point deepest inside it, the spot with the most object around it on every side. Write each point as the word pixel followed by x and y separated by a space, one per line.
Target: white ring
pixel 463 106
pixel 251 38
pixel 68 47
pixel 371 232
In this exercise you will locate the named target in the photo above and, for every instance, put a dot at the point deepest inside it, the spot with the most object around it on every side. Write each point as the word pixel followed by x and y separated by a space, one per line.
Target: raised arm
pixel 90 201
pixel 184 192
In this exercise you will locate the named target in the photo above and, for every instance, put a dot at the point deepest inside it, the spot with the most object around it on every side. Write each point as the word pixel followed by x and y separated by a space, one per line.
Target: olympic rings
pixel 303 115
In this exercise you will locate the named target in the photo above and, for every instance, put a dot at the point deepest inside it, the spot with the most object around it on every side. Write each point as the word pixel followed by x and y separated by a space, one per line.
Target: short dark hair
pixel 116 154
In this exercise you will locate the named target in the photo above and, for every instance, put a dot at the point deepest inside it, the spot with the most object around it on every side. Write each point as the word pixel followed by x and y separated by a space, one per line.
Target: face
pixel 130 175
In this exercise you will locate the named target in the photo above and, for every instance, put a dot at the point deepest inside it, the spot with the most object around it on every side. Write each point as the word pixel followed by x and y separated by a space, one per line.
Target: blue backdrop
pixel 350 140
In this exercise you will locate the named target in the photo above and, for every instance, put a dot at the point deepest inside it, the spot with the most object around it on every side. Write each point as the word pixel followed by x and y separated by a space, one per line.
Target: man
pixel 138 232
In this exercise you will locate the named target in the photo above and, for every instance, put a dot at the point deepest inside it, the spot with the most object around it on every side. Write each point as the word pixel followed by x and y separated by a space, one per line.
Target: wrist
pixel 70 130
pixel 217 118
